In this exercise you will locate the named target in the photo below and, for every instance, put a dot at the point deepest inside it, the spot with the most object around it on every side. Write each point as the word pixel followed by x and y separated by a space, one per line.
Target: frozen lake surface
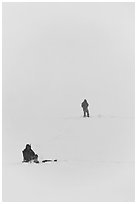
pixel 95 159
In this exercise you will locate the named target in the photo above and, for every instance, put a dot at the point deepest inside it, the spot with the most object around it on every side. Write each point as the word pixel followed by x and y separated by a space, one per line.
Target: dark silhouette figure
pixel 29 155
pixel 85 105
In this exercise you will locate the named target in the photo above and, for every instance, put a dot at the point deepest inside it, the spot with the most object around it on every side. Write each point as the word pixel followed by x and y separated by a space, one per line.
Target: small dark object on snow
pixel 49 160
pixel 29 155
pixel 85 105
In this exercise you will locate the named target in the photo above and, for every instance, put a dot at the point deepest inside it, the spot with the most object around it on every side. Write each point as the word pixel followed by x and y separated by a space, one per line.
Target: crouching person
pixel 29 155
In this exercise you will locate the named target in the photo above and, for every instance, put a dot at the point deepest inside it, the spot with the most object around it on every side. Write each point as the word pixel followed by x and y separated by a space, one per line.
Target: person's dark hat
pixel 28 145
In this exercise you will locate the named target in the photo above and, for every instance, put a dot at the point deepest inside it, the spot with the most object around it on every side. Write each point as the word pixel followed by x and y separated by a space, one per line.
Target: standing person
pixel 85 105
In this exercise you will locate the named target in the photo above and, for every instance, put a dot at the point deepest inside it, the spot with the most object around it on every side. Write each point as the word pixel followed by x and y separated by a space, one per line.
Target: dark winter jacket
pixel 28 154
pixel 85 105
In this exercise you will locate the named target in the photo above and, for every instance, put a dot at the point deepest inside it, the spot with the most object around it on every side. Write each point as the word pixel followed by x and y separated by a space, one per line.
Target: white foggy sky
pixel 57 54
pixel 54 56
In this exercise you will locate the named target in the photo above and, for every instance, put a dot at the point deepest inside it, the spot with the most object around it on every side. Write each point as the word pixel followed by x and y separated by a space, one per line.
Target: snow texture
pixel 95 160
pixel 54 56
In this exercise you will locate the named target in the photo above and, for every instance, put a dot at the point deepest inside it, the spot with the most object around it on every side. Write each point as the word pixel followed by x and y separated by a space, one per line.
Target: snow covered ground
pixel 54 56
pixel 95 159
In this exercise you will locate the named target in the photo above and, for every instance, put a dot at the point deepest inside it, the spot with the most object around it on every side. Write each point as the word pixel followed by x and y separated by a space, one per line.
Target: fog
pixel 54 56
pixel 57 54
